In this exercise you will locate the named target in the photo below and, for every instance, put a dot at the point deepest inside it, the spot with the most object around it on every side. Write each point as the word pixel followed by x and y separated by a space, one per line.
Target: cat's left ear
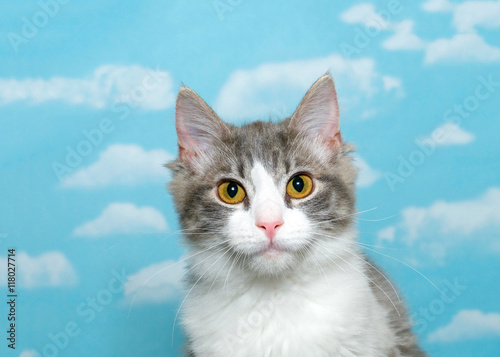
pixel 317 115
pixel 198 127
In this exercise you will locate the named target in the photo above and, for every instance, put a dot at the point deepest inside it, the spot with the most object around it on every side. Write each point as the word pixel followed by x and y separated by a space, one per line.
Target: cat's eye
pixel 299 186
pixel 231 192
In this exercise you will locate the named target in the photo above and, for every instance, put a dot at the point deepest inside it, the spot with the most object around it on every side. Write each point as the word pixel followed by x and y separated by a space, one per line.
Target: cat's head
pixel 265 197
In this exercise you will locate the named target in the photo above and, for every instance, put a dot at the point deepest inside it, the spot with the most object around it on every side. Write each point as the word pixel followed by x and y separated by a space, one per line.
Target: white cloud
pixel 156 283
pixel 437 6
pixel 458 218
pixel 254 93
pixel 387 234
pixel 466 45
pixel 364 14
pixel 463 47
pixel 29 353
pixel 468 325
pixel 449 134
pixel 50 269
pixel 403 38
pixel 134 85
pixel 393 83
pixel 121 164
pixel 367 175
pixel 469 14
pixel 442 228
pixel 123 218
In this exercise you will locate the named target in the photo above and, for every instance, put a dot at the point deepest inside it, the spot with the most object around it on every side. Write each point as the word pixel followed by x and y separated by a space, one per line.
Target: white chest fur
pixel 333 313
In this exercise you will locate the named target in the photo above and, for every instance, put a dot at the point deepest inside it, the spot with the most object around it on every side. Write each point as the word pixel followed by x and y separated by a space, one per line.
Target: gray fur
pixel 279 149
pixel 407 344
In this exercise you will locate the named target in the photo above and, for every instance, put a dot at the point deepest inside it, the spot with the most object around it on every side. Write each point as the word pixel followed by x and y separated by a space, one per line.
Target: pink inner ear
pixel 330 132
pixel 185 154
pixel 334 142
pixel 187 144
pixel 198 127
pixel 318 113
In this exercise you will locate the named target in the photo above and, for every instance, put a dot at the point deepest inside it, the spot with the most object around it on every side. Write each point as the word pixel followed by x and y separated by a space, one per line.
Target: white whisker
pixel 163 269
pixel 347 240
pixel 415 270
pixel 342 217
pixel 318 265
pixel 203 260
pixel 220 270
pixel 185 298
pixel 230 269
pixel 374 283
pixel 378 219
pixel 374 267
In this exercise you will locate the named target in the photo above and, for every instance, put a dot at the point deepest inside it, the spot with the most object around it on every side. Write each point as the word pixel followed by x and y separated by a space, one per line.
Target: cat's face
pixel 264 197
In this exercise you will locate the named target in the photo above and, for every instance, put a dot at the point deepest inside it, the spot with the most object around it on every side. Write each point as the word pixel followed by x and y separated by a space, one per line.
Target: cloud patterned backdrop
pixel 87 93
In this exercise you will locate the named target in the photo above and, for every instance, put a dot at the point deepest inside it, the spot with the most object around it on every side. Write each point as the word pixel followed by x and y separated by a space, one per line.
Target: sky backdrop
pixel 87 92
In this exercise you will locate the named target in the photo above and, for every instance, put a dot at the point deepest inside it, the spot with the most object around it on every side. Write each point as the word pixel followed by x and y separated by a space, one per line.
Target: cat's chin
pixel 271 261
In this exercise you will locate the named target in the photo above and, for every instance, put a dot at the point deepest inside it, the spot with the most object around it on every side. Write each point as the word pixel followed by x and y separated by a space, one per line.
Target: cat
pixel 268 215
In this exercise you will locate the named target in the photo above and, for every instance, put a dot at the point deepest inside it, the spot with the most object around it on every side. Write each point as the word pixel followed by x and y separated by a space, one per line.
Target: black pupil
pixel 298 183
pixel 232 189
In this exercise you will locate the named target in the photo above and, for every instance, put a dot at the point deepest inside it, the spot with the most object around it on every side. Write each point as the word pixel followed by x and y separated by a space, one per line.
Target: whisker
pixel 342 217
pixel 318 265
pixel 373 246
pixel 348 240
pixel 163 269
pixel 230 269
pixel 186 230
pixel 333 261
pixel 220 270
pixel 185 298
pixel 415 270
pixel 371 265
pixel 374 267
pixel 374 283
pixel 178 232
pixel 379 219
pixel 203 260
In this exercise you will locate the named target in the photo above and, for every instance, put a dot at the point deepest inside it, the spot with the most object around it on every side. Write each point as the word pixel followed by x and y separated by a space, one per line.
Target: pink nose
pixel 270 227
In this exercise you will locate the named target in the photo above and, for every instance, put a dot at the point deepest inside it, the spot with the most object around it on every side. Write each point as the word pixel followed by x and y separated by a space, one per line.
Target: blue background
pixel 433 214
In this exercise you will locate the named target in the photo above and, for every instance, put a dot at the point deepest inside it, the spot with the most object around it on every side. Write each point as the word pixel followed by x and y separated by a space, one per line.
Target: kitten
pixel 268 215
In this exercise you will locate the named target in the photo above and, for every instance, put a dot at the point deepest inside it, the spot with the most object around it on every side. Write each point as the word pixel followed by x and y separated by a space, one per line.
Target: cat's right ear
pixel 198 127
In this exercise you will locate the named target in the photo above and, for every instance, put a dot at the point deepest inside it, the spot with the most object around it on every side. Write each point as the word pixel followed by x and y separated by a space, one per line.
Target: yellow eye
pixel 231 192
pixel 299 186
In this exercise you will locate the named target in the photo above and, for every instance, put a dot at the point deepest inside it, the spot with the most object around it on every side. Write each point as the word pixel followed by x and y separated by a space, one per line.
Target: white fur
pixel 268 202
pixel 277 304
